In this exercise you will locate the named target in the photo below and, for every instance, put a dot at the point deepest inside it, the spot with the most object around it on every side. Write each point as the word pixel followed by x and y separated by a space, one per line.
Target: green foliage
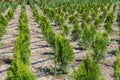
pixel 51 13
pixel 89 20
pixel 36 15
pixel 20 69
pixel 101 17
pixel 84 16
pixel 4 6
pixel 64 54
pixel 72 19
pixel 59 20
pixel 97 21
pixel 88 70
pixel 110 18
pixel 88 35
pixel 108 27
pixel 64 29
pixel 32 5
pixel 76 32
pixel 83 25
pixel 93 14
pixel 47 29
pixel 2 30
pixel 118 19
pixel 100 45
pixel 104 11
pixel 117 67
pixel 23 5
pixel 3 20
pixel 3 24
pixel 10 14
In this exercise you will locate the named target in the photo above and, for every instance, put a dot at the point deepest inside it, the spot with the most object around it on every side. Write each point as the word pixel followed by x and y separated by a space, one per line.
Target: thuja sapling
pixel 47 30
pixel 110 18
pixel 89 20
pixel 52 14
pixel 64 29
pixel 88 70
pixel 36 14
pixel 117 66
pixel 83 25
pixel 2 30
pixel 97 21
pixel 76 32
pixel 88 35
pixel 72 18
pixel 105 12
pixel 84 16
pixel 10 14
pixel 64 54
pixel 100 46
pixel 3 20
pixel 108 27
pixel 46 11
pixel 118 19
pixel 59 20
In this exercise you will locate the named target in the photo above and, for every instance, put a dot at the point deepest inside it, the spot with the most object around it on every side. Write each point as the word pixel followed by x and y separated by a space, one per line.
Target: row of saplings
pixel 64 55
pixel 4 19
pixel 59 17
pixel 20 69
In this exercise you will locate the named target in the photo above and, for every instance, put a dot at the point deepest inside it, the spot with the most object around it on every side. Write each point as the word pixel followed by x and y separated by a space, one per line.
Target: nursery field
pixel 60 40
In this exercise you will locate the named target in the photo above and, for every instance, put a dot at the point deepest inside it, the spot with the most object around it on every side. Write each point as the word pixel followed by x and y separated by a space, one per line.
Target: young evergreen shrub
pixel 64 29
pixel 88 35
pixel 97 21
pixel 88 70
pixel 76 32
pixel 101 17
pixel 2 30
pixel 3 20
pixel 36 14
pixel 117 67
pixel 84 16
pixel 46 11
pixel 108 27
pixel 64 54
pixel 10 14
pixel 61 13
pixel 89 20
pixel 20 71
pixel 100 46
pixel 50 37
pixel 59 20
pixel 114 7
pixel 105 12
pixel 52 14
pixel 47 30
pixel 71 11
pixel 118 19
pixel 109 6
pixel 83 25
pixel 32 5
pixel 93 14
pixel 66 16
pixel 72 18
pixel 44 22
pixel 110 18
